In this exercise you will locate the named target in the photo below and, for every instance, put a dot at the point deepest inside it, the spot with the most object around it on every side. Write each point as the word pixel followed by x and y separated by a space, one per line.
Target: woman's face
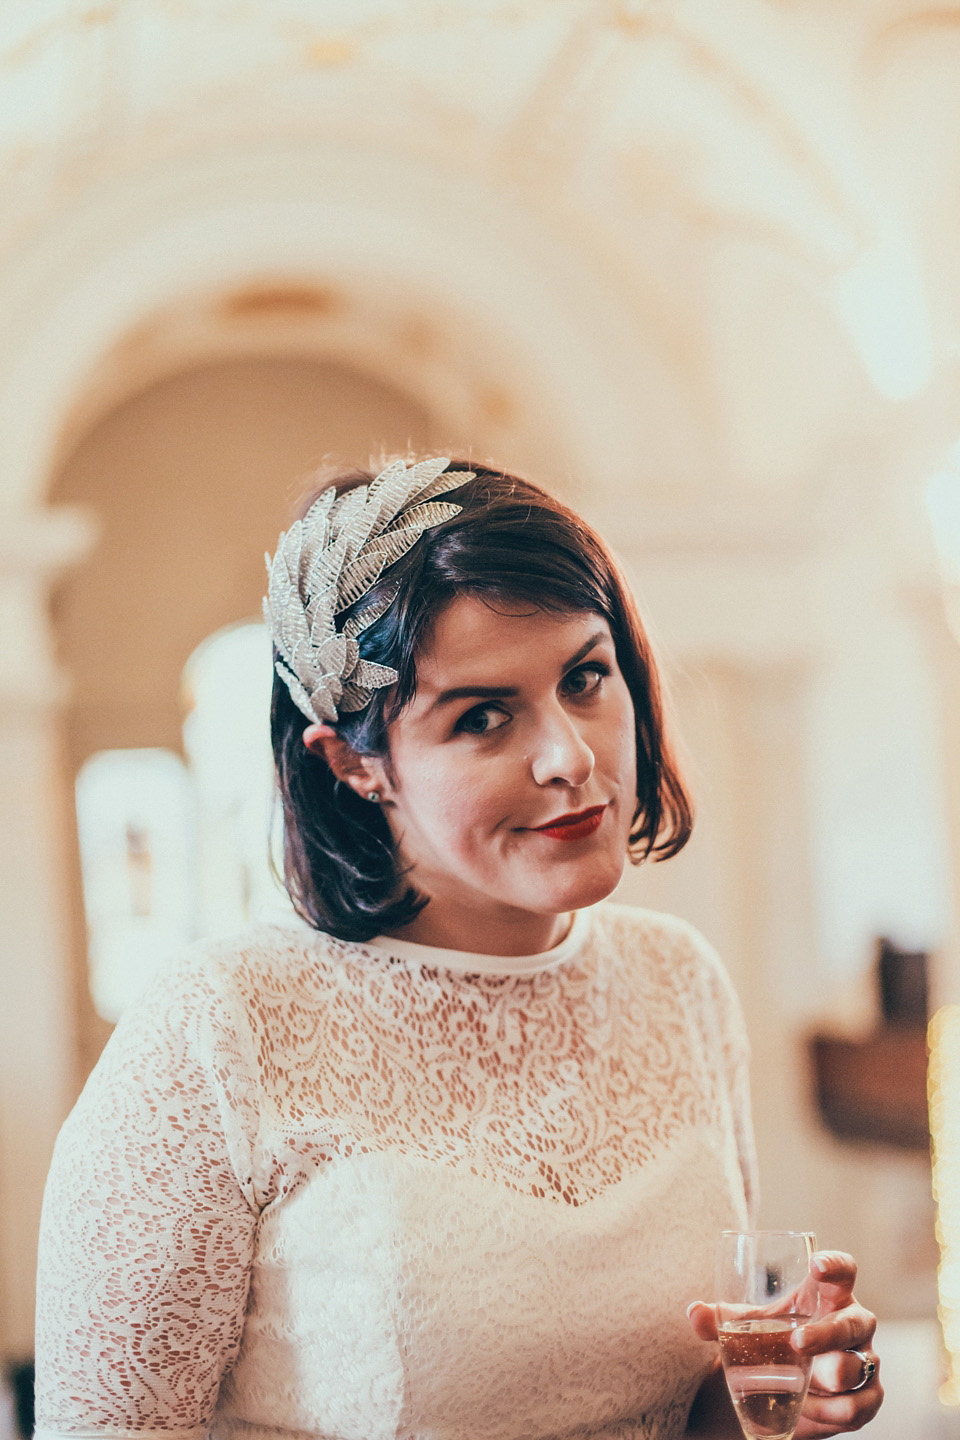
pixel 511 784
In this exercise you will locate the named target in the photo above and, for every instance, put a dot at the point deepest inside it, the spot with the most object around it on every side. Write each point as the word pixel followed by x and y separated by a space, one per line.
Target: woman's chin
pixel 587 886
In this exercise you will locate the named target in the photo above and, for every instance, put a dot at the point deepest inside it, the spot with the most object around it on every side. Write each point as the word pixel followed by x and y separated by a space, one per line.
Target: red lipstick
pixel 573 827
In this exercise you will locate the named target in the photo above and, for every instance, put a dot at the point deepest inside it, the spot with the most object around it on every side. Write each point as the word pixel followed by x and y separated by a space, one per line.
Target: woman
pixel 447 1155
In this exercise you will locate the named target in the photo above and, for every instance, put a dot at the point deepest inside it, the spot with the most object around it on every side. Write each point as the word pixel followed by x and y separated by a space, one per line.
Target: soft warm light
pixel 882 303
pixel 944 1096
pixel 943 508
pixel 173 851
pixel 226 735
pixel 135 824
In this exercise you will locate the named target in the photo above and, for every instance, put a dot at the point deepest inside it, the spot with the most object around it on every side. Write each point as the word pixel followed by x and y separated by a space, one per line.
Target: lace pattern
pixel 312 1192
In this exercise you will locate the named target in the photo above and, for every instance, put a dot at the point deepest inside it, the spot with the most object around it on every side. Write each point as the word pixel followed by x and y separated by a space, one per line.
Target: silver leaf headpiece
pixel 328 561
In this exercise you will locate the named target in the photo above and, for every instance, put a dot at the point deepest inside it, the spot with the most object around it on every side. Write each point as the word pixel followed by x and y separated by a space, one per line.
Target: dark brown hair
pixel 511 541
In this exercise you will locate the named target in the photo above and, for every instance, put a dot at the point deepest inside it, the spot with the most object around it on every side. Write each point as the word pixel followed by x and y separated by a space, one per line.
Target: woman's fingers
pixel 829 1412
pixel 843 1324
pixel 703 1318
pixel 833 1405
pixel 836 1274
pixel 851 1328
pixel 840 1371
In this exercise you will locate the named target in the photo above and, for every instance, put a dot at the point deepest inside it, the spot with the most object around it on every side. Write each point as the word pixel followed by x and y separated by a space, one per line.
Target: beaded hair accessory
pixel 328 561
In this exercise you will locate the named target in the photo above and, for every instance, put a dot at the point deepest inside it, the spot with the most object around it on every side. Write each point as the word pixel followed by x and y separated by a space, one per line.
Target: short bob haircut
pixel 511 542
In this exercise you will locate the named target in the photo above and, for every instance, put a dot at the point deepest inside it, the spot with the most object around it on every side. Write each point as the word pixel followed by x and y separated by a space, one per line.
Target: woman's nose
pixel 562 756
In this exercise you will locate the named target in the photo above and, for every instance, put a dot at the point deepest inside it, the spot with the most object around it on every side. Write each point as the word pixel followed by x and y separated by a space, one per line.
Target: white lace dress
pixel 316 1189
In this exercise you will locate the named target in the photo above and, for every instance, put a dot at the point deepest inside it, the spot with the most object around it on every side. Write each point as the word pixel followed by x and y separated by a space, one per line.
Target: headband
pixel 328 561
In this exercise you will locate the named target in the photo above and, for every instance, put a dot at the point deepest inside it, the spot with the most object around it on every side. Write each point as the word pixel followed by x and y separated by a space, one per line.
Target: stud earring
pixel 374 797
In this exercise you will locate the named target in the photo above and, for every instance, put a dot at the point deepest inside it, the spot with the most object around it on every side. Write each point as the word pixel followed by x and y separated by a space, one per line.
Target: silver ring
pixel 869 1370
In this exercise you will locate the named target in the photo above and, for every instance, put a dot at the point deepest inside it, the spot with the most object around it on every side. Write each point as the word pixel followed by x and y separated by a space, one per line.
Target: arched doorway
pixel 190 481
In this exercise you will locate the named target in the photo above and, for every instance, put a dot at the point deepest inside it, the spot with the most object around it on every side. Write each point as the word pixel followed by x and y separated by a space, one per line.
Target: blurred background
pixel 691 263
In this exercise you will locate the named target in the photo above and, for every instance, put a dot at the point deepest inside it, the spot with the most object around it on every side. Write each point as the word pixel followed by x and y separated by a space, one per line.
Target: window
pixel 172 850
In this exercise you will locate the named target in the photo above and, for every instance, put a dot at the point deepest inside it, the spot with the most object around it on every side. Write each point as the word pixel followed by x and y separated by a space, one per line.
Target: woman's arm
pixel 148 1223
pixel 835 1403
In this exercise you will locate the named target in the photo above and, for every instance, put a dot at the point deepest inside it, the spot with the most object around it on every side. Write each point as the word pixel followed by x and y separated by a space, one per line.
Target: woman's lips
pixel 573 827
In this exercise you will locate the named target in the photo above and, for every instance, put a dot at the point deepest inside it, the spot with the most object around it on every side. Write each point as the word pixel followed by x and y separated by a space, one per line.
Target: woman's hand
pixel 836 1403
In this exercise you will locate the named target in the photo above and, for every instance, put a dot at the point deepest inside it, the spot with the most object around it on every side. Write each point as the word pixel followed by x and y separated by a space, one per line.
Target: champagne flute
pixel 765 1291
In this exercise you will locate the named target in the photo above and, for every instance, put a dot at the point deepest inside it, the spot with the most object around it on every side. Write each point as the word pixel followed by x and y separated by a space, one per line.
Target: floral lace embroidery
pixel 284 1108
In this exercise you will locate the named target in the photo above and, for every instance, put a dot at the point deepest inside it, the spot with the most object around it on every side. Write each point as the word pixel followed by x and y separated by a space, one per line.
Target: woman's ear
pixel 363 773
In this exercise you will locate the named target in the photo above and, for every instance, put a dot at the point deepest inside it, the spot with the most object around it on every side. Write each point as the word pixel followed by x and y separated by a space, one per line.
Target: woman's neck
pixel 516 933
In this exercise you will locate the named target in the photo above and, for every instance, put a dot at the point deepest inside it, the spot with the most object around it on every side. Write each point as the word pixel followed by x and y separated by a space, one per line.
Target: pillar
pixel 36 1030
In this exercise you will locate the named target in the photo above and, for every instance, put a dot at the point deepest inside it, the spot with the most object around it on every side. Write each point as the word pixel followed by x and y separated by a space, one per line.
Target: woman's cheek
pixel 448 794
pixel 470 803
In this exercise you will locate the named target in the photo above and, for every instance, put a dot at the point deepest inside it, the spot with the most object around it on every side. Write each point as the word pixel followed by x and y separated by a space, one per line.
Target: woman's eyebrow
pixel 505 692
pixel 472 692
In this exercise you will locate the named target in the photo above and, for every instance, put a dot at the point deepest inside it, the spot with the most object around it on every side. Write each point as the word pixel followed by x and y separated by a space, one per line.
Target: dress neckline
pixel 467 962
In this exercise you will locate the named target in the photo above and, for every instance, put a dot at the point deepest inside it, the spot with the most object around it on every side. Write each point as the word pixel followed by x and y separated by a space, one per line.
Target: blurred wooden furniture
pixel 875 1089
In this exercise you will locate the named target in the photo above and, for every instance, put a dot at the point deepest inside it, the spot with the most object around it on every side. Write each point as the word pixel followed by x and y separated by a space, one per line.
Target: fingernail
pixel 819 1264
pixel 800 1337
pixel 691 1307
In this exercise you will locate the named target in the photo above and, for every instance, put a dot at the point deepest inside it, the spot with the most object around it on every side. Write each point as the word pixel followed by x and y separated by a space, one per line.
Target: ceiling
pixel 768 192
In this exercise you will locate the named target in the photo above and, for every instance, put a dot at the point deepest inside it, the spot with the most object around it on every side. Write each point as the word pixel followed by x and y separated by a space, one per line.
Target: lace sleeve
pixel 705 988
pixel 739 1083
pixel 736 1060
pixel 148 1221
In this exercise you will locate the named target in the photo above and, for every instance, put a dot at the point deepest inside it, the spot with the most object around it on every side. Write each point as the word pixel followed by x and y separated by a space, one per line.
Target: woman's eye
pixel 585 678
pixel 481 720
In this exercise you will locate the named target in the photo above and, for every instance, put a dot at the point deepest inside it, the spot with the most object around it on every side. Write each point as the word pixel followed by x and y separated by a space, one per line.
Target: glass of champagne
pixel 765 1291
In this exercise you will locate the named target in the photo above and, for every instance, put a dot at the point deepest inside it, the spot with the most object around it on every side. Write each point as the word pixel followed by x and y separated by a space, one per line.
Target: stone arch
pixel 189 480
pixel 452 288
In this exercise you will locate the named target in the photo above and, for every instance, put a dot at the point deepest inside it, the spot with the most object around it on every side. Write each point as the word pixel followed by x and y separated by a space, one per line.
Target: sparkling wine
pixel 766 1377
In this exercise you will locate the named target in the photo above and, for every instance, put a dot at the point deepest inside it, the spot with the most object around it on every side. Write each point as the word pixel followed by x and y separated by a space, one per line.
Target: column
pixel 36 1015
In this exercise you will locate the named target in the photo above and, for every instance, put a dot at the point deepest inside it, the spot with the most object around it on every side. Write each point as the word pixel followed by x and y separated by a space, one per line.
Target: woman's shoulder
pixel 654 929
pixel 228 973
pixel 669 945
pixel 282 948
